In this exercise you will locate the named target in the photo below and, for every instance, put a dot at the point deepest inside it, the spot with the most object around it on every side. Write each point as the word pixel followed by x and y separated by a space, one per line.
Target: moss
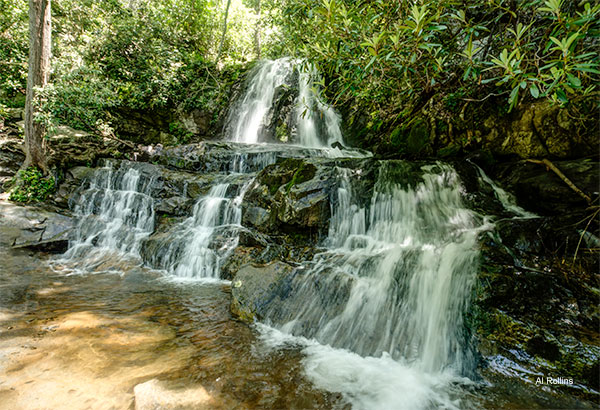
pixel 397 137
pixel 304 173
pixel 290 172
pixel 282 132
pixel 499 327
pixel 418 137
pixel 451 150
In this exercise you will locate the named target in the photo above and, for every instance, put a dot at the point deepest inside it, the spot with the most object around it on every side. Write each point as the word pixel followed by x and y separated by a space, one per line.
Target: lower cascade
pixel 387 293
pixel 383 306
pixel 397 275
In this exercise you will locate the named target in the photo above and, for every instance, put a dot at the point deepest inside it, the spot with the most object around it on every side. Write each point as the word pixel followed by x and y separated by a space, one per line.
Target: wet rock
pixel 254 287
pixel 41 227
pixel 534 304
pixel 542 191
pixel 155 394
pixel 73 179
pixel 222 156
pixel 11 158
pixel 294 192
pixel 196 122
pixel 175 205
pixel 279 120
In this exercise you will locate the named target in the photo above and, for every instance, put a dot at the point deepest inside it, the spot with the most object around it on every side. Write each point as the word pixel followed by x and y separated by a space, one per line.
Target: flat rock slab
pixel 155 394
pixel 34 226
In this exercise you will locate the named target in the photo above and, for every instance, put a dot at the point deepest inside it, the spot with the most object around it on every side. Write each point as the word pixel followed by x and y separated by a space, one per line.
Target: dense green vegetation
pixel 32 186
pixel 386 60
pixel 385 53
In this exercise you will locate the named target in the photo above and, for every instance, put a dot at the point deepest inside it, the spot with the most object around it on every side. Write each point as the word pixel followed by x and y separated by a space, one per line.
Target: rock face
pixel 289 193
pixel 42 227
pixel 254 287
pixel 542 129
pixel 536 303
pixel 295 195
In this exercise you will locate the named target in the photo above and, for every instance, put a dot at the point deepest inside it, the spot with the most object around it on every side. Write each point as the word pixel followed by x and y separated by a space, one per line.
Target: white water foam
pixel 371 383
pixel 315 123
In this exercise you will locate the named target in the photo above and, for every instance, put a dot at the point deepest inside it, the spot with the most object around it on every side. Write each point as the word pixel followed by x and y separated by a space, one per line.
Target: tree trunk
pixel 40 28
pixel 257 31
pixel 224 32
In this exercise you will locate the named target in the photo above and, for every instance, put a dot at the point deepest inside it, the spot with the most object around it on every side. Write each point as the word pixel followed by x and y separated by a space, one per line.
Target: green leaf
pixel 574 81
pixel 561 95
pixel 514 97
pixel 534 90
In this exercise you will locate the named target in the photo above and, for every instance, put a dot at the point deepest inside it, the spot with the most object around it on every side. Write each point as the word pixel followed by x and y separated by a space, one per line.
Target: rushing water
pixel 390 293
pixel 507 200
pixel 115 214
pixel 189 252
pixel 315 124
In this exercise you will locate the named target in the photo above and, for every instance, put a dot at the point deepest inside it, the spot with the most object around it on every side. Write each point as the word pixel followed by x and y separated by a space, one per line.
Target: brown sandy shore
pixel 132 341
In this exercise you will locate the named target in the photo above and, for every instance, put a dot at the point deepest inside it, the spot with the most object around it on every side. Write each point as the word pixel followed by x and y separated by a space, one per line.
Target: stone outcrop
pixel 41 227
pixel 254 287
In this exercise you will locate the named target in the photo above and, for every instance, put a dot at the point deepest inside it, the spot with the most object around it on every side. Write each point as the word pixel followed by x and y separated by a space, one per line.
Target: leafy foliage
pixel 13 49
pixel 139 55
pixel 32 186
pixel 391 57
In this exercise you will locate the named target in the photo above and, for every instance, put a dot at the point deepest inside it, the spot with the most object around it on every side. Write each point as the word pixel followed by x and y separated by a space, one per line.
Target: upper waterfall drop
pixel 284 93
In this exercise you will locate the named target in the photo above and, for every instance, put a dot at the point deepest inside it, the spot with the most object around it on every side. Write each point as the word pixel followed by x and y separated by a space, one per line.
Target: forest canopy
pixel 387 59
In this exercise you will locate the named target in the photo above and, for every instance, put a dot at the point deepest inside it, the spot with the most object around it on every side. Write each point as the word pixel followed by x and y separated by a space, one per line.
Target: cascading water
pixel 314 123
pixel 199 244
pixel 506 199
pixel 382 306
pixel 317 123
pixel 393 285
pixel 115 214
pixel 246 121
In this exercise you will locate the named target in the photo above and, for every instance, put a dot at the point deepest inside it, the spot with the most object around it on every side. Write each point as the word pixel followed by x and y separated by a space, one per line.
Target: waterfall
pixel 312 122
pixel 507 200
pixel 379 310
pixel 197 246
pixel 246 120
pixel 115 214
pixel 317 123
pixel 393 285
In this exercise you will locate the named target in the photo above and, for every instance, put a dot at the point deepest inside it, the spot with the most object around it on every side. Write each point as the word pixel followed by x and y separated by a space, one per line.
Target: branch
pixel 550 165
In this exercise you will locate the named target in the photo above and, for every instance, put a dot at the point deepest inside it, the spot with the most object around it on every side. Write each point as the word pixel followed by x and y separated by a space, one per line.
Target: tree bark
pixel 40 28
pixel 224 32
pixel 257 31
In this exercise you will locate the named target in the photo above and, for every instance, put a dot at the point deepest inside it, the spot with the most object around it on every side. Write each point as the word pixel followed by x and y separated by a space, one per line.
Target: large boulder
pixel 41 227
pixel 254 287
